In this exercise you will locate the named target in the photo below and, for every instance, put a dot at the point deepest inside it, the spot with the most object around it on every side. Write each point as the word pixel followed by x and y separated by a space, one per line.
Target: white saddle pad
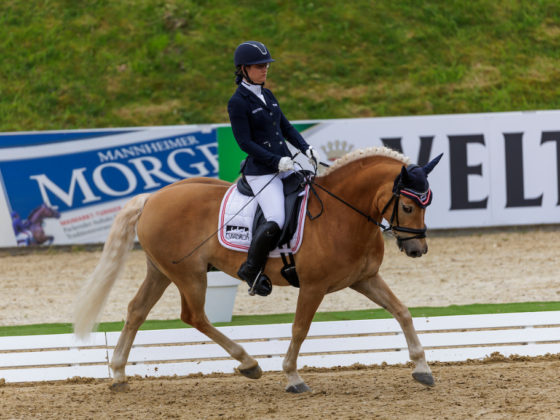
pixel 236 231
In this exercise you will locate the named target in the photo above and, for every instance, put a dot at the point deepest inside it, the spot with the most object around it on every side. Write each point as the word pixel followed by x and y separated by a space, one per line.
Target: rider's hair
pixel 238 74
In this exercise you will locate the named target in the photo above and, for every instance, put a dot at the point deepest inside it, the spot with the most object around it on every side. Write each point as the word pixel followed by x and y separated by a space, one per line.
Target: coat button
pixel 270 113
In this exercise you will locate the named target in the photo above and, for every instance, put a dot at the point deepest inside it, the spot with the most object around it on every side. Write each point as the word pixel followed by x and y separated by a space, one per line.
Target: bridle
pixel 398 190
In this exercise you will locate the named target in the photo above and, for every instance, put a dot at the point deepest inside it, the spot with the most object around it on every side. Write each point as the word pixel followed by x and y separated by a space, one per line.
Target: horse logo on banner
pixel 30 231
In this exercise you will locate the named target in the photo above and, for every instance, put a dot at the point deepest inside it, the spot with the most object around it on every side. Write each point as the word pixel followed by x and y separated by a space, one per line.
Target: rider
pixel 260 128
pixel 21 229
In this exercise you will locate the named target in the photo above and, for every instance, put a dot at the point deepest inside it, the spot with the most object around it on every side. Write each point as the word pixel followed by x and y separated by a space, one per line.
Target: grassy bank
pixel 289 318
pixel 103 63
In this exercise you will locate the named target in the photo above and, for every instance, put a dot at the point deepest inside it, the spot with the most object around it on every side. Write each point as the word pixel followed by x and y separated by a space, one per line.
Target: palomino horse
pixel 35 220
pixel 340 249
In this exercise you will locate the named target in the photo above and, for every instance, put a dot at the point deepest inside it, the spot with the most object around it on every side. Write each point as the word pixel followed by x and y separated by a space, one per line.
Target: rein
pixel 417 233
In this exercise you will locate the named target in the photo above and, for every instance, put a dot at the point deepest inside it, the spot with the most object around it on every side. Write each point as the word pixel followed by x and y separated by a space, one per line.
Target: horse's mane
pixel 367 152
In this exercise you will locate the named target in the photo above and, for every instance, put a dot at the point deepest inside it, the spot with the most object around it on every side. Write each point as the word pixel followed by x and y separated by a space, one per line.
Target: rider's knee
pixel 279 218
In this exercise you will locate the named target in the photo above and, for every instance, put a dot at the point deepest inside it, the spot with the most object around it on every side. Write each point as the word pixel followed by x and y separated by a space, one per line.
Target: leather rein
pixel 394 227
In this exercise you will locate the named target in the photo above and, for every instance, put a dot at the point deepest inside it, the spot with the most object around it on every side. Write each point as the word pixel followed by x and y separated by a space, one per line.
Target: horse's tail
pixel 92 297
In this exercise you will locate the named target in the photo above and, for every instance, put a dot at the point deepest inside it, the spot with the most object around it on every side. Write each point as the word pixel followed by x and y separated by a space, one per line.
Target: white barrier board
pixel 338 343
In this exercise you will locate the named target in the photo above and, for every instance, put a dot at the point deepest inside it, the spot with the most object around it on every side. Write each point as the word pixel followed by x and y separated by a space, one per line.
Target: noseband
pixel 398 190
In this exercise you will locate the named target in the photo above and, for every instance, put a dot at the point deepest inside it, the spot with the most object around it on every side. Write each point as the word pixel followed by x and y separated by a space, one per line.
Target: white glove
pixel 286 164
pixel 313 156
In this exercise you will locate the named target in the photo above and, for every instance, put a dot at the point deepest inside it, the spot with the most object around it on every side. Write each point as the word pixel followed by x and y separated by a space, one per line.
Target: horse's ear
pixel 431 165
pixel 405 178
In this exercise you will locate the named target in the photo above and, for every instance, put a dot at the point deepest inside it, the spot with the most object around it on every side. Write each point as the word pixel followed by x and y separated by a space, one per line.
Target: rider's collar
pixel 256 89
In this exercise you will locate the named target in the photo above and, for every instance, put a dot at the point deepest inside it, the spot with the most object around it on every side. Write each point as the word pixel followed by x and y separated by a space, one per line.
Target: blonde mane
pixel 362 153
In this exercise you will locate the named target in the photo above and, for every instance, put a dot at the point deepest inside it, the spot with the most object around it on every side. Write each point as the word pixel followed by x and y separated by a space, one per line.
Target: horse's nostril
pixel 415 254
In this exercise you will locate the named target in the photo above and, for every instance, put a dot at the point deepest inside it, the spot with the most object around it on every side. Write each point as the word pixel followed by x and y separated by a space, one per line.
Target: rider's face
pixel 258 72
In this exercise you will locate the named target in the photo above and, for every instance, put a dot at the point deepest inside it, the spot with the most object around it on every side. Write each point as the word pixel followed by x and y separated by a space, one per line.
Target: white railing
pixel 337 343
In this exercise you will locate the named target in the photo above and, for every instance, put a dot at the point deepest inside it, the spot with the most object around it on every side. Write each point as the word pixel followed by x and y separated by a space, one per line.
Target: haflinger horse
pixel 340 249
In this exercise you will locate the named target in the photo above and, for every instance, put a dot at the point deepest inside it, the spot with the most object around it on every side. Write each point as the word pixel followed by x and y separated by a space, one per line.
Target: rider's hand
pixel 312 155
pixel 286 164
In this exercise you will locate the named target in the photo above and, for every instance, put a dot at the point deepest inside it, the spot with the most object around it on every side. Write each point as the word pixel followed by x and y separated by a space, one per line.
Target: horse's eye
pixel 407 209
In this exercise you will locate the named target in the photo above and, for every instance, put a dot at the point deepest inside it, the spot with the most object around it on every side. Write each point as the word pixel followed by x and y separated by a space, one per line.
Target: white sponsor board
pixel 497 169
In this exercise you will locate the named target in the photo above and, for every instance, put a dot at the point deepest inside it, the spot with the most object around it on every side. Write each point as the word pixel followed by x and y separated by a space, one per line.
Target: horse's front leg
pixel 377 290
pixel 307 304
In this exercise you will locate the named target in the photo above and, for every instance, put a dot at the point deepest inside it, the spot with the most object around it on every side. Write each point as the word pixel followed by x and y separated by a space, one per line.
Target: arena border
pixel 244 320
pixel 330 344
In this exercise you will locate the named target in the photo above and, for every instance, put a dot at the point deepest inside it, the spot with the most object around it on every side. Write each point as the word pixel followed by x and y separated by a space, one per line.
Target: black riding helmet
pixel 251 52
pixel 247 54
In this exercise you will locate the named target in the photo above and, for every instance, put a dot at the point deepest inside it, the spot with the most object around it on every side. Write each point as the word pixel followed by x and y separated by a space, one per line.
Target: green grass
pixel 288 318
pixel 69 64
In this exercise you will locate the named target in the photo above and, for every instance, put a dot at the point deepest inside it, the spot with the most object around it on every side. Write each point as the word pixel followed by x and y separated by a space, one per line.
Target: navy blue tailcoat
pixel 261 130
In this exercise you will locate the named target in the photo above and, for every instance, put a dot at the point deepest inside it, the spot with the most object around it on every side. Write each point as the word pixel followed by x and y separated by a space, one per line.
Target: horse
pixel 343 247
pixel 35 220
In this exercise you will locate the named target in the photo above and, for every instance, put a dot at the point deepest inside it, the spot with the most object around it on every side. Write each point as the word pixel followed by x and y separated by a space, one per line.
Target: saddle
pixel 294 185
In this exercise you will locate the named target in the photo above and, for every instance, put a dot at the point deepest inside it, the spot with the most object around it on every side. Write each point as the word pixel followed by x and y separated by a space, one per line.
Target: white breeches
pixel 271 199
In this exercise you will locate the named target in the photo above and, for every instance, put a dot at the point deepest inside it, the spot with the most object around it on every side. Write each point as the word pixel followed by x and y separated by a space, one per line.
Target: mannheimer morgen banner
pixel 66 187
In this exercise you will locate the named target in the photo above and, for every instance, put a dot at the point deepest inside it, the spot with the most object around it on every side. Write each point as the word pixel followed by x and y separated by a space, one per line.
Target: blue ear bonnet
pixel 417 179
pixel 413 182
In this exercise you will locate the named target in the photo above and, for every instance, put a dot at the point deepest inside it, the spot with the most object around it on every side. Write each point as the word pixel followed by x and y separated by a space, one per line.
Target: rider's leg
pixel 265 237
pixel 264 240
pixel 270 196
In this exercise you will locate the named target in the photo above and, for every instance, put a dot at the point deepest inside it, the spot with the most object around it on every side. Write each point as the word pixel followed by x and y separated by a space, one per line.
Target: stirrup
pixel 261 286
pixel 258 282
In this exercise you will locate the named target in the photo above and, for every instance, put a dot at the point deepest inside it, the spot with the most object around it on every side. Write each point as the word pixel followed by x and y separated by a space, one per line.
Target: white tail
pixel 92 297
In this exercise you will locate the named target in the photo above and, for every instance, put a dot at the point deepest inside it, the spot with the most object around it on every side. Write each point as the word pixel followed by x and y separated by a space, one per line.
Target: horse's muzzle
pixel 414 248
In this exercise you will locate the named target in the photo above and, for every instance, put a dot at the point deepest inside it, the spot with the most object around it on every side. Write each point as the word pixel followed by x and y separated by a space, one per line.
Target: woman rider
pixel 260 128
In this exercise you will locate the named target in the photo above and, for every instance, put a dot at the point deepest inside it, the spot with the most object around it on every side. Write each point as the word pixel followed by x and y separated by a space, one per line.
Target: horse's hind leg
pixel 149 293
pixel 377 290
pixel 193 296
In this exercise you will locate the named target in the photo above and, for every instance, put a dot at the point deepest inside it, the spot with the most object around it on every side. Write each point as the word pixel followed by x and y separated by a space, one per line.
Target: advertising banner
pixel 497 169
pixel 66 189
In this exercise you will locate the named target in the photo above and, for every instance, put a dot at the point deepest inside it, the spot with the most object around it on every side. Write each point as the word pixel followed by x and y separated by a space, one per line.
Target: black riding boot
pixel 264 240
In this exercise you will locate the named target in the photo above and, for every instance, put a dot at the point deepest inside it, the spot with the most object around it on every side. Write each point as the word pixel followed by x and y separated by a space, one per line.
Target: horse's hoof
pixel 252 373
pixel 119 387
pixel 424 378
pixel 298 388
